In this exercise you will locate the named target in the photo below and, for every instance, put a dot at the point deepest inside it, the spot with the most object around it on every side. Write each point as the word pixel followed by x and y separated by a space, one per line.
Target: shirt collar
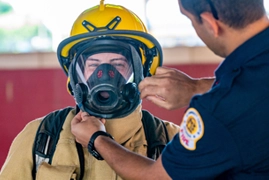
pixel 245 52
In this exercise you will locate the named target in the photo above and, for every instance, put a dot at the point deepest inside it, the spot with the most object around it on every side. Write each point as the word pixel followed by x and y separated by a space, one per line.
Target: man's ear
pixel 211 23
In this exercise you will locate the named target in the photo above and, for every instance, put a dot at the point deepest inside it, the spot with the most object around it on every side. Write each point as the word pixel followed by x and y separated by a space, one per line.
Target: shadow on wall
pixel 29 94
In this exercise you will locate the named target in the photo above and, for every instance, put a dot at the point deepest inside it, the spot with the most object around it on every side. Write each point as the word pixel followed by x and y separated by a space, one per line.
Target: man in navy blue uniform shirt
pixel 224 132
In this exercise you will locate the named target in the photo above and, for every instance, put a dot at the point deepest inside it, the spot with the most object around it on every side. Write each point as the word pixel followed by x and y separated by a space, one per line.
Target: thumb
pixel 161 70
pixel 103 120
pixel 77 119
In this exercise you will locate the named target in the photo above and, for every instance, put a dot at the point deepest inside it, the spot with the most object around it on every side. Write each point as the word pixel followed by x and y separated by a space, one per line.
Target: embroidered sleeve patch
pixel 191 129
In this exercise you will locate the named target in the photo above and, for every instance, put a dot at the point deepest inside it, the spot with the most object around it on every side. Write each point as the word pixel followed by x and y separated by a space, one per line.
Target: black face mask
pixel 106 93
pixel 106 85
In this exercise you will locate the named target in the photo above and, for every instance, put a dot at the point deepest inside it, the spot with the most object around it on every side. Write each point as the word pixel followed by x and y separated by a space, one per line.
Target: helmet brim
pixel 63 51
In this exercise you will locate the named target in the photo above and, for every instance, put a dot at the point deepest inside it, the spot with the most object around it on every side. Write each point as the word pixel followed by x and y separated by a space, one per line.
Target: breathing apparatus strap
pixel 156 134
pixel 47 137
pixel 49 130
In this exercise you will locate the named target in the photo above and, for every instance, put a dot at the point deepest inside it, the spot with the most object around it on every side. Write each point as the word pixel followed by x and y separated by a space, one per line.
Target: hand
pixel 83 126
pixel 171 89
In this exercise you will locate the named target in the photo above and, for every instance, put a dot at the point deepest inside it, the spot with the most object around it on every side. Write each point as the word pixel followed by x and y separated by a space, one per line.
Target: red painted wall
pixel 28 94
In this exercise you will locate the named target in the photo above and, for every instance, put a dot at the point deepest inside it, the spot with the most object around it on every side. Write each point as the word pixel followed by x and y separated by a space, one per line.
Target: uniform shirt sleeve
pixel 206 154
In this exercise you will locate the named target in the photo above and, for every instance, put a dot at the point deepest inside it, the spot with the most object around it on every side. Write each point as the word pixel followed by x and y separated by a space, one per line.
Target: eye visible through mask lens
pixel 105 79
pixel 118 61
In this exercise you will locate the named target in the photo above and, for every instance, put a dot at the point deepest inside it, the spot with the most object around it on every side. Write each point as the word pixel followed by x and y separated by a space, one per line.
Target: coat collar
pixel 122 129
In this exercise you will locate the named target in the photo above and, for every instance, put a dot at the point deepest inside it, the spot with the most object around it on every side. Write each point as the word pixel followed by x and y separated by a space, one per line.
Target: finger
pixel 77 119
pixel 151 90
pixel 156 79
pixel 158 101
pixel 84 114
pixel 162 70
pixel 145 82
pixel 162 103
pixel 103 120
pixel 160 97
pixel 149 86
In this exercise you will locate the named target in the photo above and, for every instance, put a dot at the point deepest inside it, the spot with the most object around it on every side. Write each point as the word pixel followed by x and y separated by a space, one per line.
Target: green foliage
pixel 17 40
pixel 5 8
pixel 20 39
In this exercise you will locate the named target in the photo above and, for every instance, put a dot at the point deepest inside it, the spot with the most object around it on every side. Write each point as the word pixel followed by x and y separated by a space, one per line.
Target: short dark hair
pixel 234 13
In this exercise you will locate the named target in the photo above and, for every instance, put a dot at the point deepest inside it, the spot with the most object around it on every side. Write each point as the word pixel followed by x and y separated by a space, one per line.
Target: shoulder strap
pixel 47 137
pixel 156 134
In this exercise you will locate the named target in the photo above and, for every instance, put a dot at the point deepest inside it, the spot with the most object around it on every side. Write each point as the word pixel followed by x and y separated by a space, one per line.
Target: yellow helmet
pixel 108 20
pixel 108 28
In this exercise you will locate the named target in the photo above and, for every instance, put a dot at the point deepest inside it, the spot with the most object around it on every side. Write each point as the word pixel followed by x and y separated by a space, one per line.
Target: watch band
pixel 91 147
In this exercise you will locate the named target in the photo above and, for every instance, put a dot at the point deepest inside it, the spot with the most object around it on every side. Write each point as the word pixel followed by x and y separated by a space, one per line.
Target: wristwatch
pixel 91 147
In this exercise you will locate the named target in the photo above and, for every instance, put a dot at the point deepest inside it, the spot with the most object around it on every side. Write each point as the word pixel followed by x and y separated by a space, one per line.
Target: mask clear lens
pixel 104 75
pixel 89 63
pixel 104 68
pixel 104 80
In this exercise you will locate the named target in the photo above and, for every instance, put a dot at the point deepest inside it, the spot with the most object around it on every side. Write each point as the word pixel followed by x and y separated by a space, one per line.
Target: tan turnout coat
pixel 127 131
